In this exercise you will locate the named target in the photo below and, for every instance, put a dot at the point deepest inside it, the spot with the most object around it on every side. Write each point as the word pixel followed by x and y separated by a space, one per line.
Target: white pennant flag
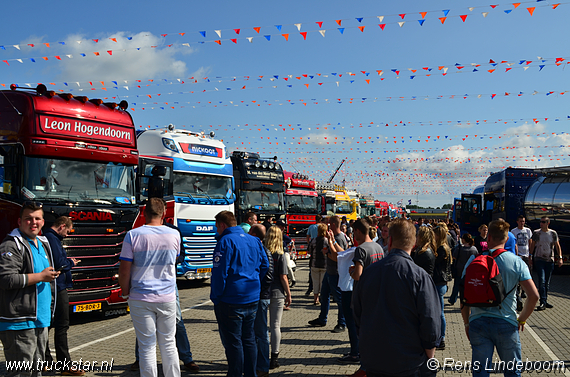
pixel 69 56
pixel 219 32
pixel 250 39
pixel 78 84
pixel 445 70
pixel 485 14
pixel 17 46
pixel 298 26
pixel 401 23
pixel 186 44
pixel 78 42
pixel 322 32
pixel 30 85
pixel 525 68
pixel 20 60
pixel 471 9
pixel 126 87
pixel 380 18
pixel 337 83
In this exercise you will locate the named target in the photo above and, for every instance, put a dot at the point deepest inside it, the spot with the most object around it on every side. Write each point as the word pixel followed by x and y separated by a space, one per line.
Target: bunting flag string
pixel 314 101
pixel 401 17
pixel 348 76
pixel 377 124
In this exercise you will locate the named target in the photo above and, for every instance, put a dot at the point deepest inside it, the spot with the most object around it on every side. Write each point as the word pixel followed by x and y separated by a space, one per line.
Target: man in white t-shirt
pixel 147 276
pixel 522 235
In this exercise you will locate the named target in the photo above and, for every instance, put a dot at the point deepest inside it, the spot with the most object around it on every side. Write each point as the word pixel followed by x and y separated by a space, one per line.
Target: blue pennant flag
pixel 203 34
pixel 421 22
pixel 268 37
pixel 341 29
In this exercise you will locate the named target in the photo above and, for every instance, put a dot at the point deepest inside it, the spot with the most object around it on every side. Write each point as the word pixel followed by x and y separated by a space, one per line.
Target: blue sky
pixel 427 137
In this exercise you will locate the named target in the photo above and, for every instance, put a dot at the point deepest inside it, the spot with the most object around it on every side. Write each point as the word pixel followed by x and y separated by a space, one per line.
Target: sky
pixel 422 100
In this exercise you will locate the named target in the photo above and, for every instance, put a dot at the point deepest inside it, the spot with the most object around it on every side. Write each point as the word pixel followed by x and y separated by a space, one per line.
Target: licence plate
pixel 302 252
pixel 87 307
pixel 203 270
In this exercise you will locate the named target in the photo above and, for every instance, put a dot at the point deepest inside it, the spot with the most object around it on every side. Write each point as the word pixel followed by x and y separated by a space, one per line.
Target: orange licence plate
pixel 203 270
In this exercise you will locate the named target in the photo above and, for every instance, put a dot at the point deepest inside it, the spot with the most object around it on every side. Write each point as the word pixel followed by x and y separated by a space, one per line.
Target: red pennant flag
pixel 257 29
pixel 96 53
pixel 442 19
pixel 516 5
pixel 45 58
pixel 320 23
pixel 181 34
pixel 164 35
pixel 307 85
pixel 491 61
pixel 234 40
pixel 237 31
pixel 531 10
pixel 494 6
pixel 243 87
pixel 5 61
pixel 304 34
pixel 463 17
pixel 338 22
pixel 57 57
pixel 113 39
pixel 95 40
pixel 423 14
pixel 402 15
pixel 31 44
pixel 110 52
pixel 286 36
pixel 218 42
pixel 362 28
pixel 382 26
pixel 367 81
pixel 508 69
pixel 555 6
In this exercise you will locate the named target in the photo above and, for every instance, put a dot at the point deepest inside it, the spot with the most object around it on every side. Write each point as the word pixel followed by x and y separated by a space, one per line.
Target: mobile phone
pixel 61 268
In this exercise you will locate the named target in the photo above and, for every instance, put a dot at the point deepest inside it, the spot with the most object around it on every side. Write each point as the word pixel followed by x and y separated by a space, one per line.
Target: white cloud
pixel 129 59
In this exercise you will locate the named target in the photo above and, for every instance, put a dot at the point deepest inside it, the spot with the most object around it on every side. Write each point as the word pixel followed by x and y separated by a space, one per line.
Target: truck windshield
pixel 78 181
pixel 261 200
pixel 301 203
pixel 201 185
pixel 343 206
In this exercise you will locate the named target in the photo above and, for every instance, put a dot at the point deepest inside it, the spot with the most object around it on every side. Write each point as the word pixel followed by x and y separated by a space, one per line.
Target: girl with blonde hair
pixel 425 248
pixel 441 272
pixel 280 292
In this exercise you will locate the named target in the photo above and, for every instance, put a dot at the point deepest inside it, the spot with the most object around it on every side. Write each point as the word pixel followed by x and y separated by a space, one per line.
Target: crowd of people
pixel 397 271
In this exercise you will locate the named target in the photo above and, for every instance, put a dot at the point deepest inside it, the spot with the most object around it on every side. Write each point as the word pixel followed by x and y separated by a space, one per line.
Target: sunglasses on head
pixel 32 204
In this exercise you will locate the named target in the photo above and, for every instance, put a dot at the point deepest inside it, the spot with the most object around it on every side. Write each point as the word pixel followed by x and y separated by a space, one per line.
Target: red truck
pixel 302 206
pixel 77 156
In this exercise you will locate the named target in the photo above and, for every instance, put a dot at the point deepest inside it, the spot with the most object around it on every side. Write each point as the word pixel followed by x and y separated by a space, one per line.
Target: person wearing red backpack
pixel 497 326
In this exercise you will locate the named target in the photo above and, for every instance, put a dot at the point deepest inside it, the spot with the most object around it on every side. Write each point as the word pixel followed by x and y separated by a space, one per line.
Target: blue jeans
pixel 543 270
pixel 485 334
pixel 330 284
pixel 182 343
pixel 442 289
pixel 346 297
pixel 454 291
pixel 236 326
pixel 262 335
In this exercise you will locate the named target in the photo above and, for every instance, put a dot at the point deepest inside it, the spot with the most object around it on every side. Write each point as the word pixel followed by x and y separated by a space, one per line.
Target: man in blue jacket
pixel 239 261
pixel 55 235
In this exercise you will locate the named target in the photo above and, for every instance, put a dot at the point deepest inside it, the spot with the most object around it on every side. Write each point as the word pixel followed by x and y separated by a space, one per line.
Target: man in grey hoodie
pixel 27 293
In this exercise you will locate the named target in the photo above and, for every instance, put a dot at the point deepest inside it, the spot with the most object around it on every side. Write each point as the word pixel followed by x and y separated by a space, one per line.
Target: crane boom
pixel 336 171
